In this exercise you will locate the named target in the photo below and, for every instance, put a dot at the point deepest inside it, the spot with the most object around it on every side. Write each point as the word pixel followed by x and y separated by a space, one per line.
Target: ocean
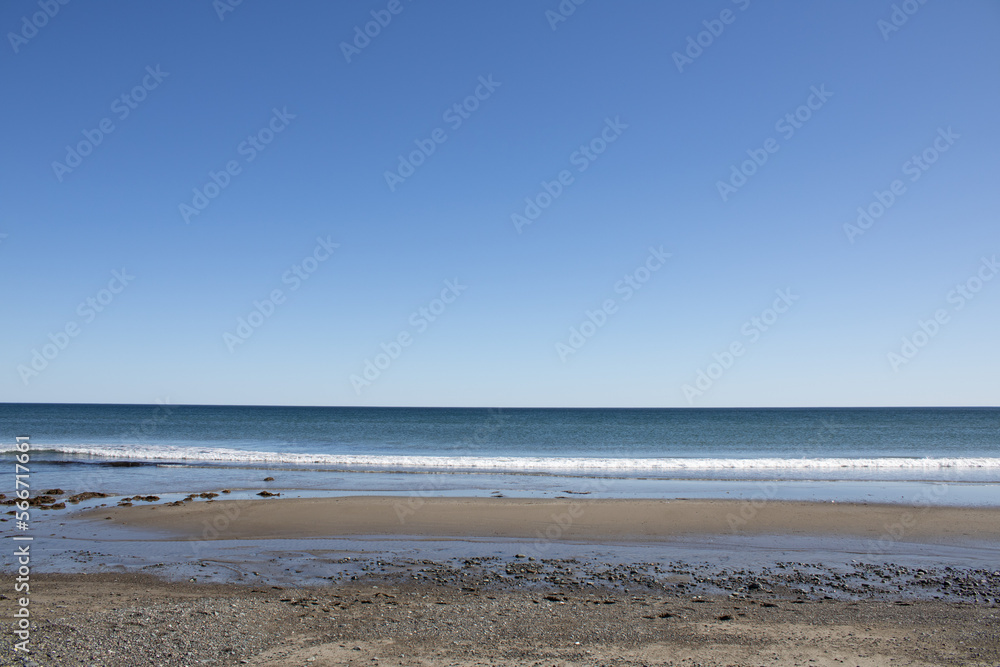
pixel 943 455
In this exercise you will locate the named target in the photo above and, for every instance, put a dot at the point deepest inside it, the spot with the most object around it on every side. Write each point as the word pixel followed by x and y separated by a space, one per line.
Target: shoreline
pixel 435 581
pixel 577 519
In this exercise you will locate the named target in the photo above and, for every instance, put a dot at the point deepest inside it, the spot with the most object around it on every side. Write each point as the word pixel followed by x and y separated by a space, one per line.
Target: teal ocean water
pixel 639 452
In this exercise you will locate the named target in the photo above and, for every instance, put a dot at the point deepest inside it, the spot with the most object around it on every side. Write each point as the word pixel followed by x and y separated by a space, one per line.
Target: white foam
pixel 516 463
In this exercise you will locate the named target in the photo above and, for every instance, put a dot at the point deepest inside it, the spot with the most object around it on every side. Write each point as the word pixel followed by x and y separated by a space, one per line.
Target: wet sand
pixel 574 519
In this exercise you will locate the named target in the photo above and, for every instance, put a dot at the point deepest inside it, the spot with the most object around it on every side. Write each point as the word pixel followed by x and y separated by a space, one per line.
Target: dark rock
pixel 86 495
pixel 56 506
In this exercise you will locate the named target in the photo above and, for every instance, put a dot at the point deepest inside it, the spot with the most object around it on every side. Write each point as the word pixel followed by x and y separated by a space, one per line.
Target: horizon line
pixel 527 407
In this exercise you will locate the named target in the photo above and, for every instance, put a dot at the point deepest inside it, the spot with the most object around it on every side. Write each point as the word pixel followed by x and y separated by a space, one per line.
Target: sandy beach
pixel 377 605
pixel 561 519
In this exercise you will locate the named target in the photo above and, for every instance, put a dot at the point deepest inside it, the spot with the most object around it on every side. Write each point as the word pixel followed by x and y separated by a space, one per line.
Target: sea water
pixel 937 455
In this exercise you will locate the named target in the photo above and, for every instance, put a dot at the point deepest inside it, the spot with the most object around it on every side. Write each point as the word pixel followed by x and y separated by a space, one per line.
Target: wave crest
pixel 512 463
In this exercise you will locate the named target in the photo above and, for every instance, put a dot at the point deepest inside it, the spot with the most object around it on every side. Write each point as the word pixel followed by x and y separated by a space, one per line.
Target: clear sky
pixel 262 204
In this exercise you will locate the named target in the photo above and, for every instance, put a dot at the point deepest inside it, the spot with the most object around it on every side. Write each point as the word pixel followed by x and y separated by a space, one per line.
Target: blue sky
pixel 631 125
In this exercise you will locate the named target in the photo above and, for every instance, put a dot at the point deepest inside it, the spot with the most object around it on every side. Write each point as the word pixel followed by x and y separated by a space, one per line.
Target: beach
pixel 568 519
pixel 118 620
pixel 330 536
pixel 485 581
